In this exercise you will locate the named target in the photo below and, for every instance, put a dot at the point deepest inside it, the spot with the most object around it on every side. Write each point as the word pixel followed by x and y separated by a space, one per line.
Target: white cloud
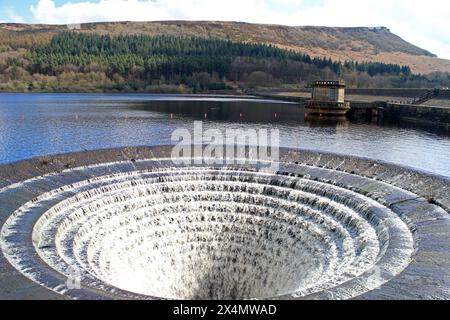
pixel 13 17
pixel 120 10
pixel 422 23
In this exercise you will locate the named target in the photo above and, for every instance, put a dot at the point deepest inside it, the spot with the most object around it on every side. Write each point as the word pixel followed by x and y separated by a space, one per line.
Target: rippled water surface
pixel 41 124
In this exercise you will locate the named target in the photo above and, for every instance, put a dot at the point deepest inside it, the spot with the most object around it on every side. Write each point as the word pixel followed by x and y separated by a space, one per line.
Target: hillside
pixel 184 57
pixel 357 44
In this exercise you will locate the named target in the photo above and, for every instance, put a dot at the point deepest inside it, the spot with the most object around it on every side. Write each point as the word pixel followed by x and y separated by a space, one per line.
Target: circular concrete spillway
pixel 128 223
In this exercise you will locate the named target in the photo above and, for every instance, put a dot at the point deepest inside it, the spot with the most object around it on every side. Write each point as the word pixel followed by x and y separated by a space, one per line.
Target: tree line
pixel 150 57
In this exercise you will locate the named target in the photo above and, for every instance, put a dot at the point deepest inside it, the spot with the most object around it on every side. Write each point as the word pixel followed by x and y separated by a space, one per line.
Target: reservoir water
pixel 41 124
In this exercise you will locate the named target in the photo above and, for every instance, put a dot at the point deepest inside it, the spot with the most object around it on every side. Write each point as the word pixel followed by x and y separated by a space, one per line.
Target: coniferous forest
pixel 72 61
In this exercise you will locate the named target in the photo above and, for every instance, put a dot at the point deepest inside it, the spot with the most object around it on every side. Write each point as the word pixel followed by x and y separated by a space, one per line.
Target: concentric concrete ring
pixel 128 223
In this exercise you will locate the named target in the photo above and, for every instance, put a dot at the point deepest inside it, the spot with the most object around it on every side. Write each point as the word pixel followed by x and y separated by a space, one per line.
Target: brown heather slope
pixel 358 44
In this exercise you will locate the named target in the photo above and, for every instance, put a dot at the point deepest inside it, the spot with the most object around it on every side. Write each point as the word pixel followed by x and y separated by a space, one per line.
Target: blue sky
pixel 14 10
pixel 416 21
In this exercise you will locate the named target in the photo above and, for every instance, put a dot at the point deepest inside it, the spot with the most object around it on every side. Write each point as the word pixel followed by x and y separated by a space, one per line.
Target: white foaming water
pixel 209 233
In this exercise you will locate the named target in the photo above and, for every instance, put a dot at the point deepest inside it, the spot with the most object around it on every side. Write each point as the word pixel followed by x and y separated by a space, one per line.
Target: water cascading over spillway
pixel 216 234
pixel 206 232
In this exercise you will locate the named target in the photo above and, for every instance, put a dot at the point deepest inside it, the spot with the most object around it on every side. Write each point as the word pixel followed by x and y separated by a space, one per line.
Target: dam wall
pixel 396 111
pixel 419 112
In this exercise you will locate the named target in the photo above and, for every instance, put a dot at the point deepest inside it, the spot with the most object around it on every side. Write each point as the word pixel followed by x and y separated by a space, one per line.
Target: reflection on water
pixel 249 111
pixel 314 121
pixel 41 124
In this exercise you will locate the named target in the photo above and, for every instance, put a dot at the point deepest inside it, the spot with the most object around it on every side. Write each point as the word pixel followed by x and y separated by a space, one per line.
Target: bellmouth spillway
pixel 128 223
